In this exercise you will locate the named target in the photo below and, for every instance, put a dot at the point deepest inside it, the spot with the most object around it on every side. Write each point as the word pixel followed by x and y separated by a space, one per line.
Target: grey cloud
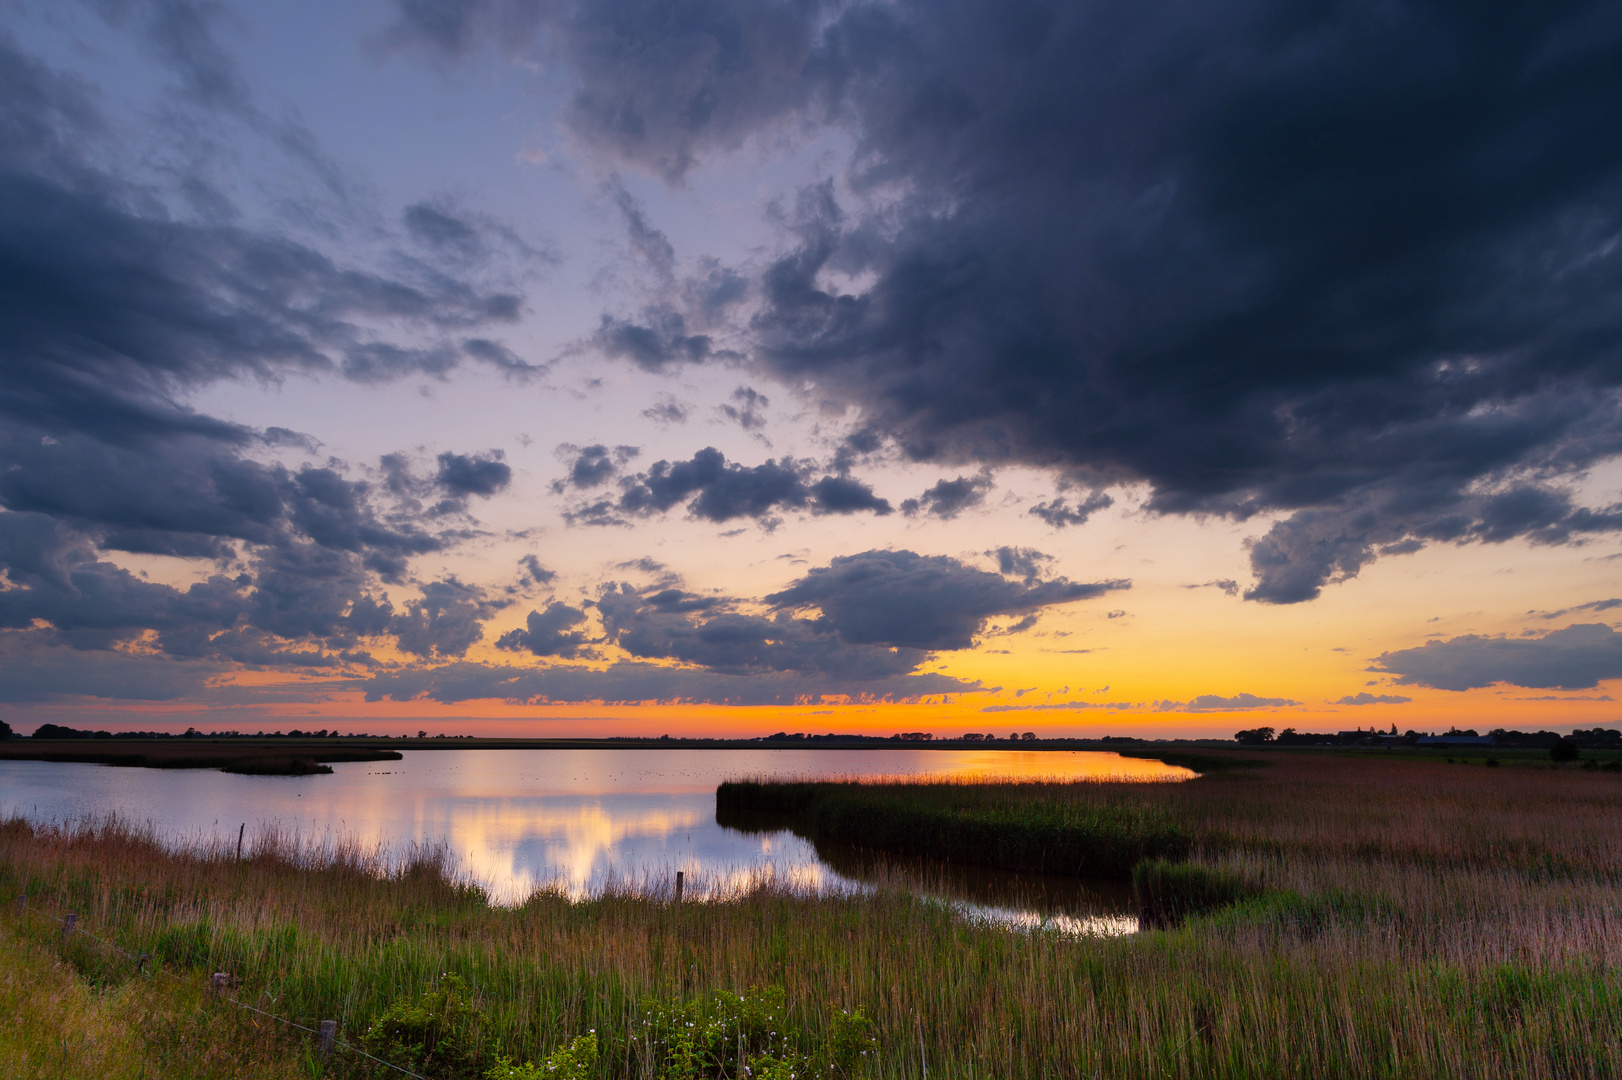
pixel 1058 512
pixel 630 682
pixel 33 668
pixel 747 413
pixel 1576 658
pixel 593 465
pixel 1022 562
pixel 659 85
pixel 1314 547
pixel 1226 585
pixel 447 621
pixel 1592 605
pixel 1217 703
pixel 1059 706
pixel 948 498
pixel 481 474
pixel 549 633
pixel 904 599
pixel 535 572
pixel 668 623
pixel 713 489
pixel 845 495
pixel 657 339
pixel 667 410
pixel 1366 698
pixel 1318 274
pixel 648 242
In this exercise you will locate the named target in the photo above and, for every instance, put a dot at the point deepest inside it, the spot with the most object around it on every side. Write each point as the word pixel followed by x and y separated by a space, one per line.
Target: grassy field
pixel 1402 918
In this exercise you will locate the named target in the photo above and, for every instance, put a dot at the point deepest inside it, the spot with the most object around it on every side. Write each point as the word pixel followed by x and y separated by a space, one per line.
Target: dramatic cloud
pixel 1576 658
pixel 917 601
pixel 1356 272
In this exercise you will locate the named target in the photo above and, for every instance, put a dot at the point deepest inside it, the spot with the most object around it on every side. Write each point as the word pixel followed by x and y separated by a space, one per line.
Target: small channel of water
pixel 589 819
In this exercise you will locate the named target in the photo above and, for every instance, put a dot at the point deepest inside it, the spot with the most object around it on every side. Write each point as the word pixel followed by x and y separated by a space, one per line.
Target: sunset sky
pixel 723 367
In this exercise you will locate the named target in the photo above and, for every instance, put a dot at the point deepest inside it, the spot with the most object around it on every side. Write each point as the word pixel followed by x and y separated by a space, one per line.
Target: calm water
pixel 520 819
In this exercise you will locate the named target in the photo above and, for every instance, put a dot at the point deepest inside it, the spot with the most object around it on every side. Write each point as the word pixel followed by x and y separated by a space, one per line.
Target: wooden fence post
pixel 69 924
pixel 329 1035
pixel 240 831
pixel 678 886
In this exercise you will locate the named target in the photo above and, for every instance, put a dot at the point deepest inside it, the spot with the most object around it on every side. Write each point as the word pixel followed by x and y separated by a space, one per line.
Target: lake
pixel 585 820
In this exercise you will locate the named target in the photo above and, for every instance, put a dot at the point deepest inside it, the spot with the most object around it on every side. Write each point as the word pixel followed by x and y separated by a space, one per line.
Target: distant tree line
pixel 1580 739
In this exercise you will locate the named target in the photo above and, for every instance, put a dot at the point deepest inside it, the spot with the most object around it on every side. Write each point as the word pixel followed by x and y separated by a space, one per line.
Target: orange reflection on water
pixel 1035 765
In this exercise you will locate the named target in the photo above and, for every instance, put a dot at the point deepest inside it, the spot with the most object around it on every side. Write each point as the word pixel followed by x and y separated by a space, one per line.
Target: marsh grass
pixel 1415 920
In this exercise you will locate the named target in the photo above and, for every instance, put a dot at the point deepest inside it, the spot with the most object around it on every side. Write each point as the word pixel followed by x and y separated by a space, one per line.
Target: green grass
pixel 1007 826
pixel 1409 919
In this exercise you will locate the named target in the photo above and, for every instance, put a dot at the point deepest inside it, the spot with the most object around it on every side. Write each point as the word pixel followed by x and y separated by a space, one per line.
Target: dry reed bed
pixel 1484 945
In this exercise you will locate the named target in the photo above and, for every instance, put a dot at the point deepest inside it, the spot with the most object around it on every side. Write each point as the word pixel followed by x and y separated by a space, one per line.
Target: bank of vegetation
pixel 1388 919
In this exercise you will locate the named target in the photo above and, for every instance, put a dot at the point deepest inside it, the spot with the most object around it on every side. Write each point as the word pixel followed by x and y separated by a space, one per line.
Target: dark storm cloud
pixel 549 633
pixel 903 599
pixel 948 498
pixel 714 489
pixel 1349 267
pixel 1576 658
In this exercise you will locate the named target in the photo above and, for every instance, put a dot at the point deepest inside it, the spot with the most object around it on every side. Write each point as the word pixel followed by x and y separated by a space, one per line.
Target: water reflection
pixel 1064 902
pixel 581 820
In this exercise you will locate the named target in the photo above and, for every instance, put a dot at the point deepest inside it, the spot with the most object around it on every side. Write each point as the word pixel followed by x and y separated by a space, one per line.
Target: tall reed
pixel 1420 921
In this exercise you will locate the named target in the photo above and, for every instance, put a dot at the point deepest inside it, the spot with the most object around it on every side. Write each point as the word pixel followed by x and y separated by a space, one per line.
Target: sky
pixel 715 367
